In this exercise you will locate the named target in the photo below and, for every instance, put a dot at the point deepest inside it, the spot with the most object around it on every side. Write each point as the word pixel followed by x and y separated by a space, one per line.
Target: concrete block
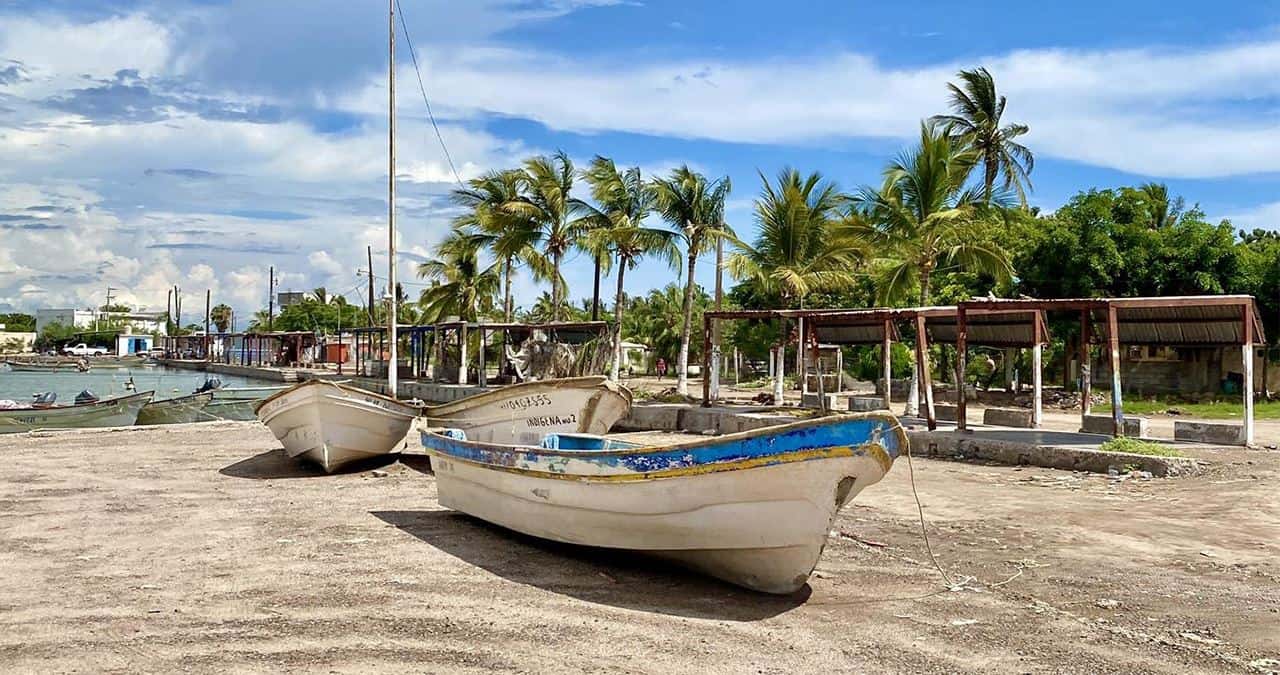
pixel 1220 433
pixel 1008 417
pixel 943 411
pixel 651 417
pixel 1134 427
pixel 811 400
pixel 865 404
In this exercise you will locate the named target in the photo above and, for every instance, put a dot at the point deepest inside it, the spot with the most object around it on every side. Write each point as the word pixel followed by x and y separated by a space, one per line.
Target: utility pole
pixel 372 319
pixel 271 298
pixel 177 309
pixel 168 313
pixel 391 214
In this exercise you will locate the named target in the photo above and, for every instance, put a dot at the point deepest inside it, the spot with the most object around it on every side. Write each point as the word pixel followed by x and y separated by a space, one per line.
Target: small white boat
pixel 333 424
pixel 121 411
pixel 179 410
pixel 752 508
pixel 51 367
pixel 522 414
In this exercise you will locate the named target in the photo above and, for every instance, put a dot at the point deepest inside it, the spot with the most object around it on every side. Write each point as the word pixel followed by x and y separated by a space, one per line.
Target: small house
pixel 133 344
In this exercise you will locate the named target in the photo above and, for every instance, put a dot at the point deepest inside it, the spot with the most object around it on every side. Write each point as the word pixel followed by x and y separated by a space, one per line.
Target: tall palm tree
pixel 694 207
pixel 553 214
pixel 464 286
pixel 1164 211
pixel 495 220
pixel 320 294
pixel 220 315
pixel 803 244
pixel 616 229
pixel 922 220
pixel 975 121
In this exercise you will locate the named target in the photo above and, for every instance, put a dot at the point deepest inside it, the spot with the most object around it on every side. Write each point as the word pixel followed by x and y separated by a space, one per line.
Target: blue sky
pixel 147 144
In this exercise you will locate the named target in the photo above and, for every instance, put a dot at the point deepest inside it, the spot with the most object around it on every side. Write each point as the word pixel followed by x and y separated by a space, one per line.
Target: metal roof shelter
pixel 1199 321
pixel 996 327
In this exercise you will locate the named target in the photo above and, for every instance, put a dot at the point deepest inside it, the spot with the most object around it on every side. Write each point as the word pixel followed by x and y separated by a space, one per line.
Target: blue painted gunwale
pixel 861 434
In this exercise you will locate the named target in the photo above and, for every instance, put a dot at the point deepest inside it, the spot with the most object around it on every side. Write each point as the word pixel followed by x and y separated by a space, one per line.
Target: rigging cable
pixel 422 87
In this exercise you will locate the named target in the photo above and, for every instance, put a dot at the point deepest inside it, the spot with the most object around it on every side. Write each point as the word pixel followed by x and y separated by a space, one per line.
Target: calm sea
pixel 166 382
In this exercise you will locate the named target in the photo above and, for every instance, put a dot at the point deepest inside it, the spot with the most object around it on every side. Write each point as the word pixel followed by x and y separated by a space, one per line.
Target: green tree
pixel 655 319
pixel 494 217
pixel 54 335
pixel 320 294
pixel 220 315
pixel 694 207
pixel 463 285
pixel 17 322
pixel 617 229
pixel 803 245
pixel 975 122
pixel 922 220
pixel 546 203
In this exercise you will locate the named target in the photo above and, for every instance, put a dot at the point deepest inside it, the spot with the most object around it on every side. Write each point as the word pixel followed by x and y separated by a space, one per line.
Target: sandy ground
pixel 202 548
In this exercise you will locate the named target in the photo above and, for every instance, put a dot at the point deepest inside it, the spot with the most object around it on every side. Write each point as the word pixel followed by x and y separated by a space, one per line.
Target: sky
pixel 197 143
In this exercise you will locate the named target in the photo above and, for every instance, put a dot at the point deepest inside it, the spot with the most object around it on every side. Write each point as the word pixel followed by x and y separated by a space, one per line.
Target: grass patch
pixel 1225 409
pixel 1140 447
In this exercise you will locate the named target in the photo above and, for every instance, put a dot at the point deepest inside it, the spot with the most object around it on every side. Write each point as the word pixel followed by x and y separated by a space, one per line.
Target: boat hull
pixel 181 410
pixel 751 509
pixel 334 425
pixel 523 413
pixel 117 412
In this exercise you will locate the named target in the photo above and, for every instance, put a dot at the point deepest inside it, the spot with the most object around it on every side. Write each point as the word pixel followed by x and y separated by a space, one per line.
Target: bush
pixel 1140 447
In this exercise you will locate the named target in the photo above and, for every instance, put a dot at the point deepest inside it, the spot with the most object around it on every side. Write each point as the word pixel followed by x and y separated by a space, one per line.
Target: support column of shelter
pixel 483 378
pixel 886 363
pixel 780 368
pixel 817 367
pixel 1037 375
pixel 1086 370
pixel 922 369
pixel 706 361
pixel 1246 360
pixel 462 354
pixel 1113 347
pixel 962 343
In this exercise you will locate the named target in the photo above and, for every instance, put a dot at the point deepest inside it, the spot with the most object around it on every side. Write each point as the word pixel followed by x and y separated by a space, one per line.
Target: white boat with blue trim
pixel 753 508
pixel 120 411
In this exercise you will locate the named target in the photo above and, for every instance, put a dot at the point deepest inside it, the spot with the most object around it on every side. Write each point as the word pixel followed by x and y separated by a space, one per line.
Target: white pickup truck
pixel 83 349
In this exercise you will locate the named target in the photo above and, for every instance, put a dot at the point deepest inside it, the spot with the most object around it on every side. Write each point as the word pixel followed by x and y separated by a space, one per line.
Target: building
pixel 90 319
pixel 133 344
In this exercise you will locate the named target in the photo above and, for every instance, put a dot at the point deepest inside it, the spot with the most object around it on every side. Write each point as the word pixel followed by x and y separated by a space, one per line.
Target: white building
pixel 87 319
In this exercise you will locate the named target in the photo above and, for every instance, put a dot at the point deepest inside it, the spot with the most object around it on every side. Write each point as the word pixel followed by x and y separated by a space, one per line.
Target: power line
pixel 422 87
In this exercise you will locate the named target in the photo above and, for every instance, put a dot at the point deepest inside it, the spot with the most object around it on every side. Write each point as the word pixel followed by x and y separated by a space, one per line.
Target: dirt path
pixel 203 548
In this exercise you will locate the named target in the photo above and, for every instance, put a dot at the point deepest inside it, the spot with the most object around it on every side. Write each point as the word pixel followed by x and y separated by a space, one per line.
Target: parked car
pixel 83 349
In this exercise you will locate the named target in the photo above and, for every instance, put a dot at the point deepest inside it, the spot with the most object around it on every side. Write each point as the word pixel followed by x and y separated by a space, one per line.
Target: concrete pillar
pixel 715 371
pixel 1113 347
pixel 802 371
pixel 483 377
pixel 1086 370
pixel 1246 360
pixel 462 354
pixel 962 346
pixel 1037 384
pixel 922 374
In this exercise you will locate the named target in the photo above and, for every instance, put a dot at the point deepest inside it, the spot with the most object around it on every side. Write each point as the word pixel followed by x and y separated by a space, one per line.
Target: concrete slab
pixel 1225 433
pixel 1134 426
pixel 1008 417
pixel 865 404
pixel 1050 449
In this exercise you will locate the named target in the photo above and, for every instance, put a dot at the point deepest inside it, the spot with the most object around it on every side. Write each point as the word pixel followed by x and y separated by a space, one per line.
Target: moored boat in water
pixel 751 508
pixel 178 410
pixel 121 411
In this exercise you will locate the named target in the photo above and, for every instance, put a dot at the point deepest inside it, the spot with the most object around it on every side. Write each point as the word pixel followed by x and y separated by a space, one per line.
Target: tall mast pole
pixel 391 200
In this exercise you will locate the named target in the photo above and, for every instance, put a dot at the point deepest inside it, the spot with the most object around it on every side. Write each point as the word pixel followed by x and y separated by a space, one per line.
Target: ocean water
pixel 166 382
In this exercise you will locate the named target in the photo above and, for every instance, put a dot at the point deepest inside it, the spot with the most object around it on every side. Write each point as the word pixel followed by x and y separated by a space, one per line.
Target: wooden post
pixel 1086 371
pixel 962 343
pixel 208 343
pixel 886 363
pixel 462 354
pixel 1113 345
pixel 483 378
pixel 1037 377
pixel 1246 356
pixel 780 364
pixel 922 374
pixel 817 368
pixel 706 361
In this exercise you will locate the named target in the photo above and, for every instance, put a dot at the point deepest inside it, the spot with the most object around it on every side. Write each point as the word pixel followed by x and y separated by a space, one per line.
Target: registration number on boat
pixel 532 401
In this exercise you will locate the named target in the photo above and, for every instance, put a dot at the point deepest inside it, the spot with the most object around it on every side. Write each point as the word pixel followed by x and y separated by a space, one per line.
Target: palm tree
pixel 464 286
pixel 1164 211
pixel 220 315
pixel 923 220
pixel 320 294
pixel 803 245
pixel 616 229
pixel 493 218
pixel 694 208
pixel 976 123
pixel 547 206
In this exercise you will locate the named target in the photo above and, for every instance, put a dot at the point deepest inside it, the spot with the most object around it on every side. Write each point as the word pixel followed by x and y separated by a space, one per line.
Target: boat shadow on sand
pixel 604 576
pixel 275 464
